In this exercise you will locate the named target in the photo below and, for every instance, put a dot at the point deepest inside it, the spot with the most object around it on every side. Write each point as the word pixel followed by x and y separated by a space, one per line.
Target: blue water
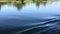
pixel 30 18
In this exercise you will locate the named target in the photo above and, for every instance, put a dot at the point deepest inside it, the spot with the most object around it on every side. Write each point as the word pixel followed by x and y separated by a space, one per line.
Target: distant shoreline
pixel 9 1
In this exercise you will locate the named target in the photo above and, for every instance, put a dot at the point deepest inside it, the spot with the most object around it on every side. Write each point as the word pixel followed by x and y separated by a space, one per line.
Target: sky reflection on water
pixel 51 9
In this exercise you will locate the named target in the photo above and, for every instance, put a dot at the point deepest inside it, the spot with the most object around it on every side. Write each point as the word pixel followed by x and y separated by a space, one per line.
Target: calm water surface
pixel 30 17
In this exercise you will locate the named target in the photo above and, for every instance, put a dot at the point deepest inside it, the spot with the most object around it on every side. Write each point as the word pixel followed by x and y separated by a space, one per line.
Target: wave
pixel 51 26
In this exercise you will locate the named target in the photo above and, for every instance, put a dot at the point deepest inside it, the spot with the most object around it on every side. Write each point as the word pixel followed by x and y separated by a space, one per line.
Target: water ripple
pixel 48 27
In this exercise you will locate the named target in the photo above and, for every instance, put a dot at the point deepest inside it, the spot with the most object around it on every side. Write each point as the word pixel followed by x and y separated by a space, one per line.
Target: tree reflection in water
pixel 20 3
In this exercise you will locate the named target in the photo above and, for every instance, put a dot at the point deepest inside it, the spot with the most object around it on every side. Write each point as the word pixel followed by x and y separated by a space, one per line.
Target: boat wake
pixel 52 26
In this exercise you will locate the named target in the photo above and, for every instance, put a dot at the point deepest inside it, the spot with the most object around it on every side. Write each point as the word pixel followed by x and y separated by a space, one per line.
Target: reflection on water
pixel 21 3
pixel 29 16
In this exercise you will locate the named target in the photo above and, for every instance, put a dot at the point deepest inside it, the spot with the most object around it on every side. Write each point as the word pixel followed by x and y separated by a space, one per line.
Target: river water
pixel 30 17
